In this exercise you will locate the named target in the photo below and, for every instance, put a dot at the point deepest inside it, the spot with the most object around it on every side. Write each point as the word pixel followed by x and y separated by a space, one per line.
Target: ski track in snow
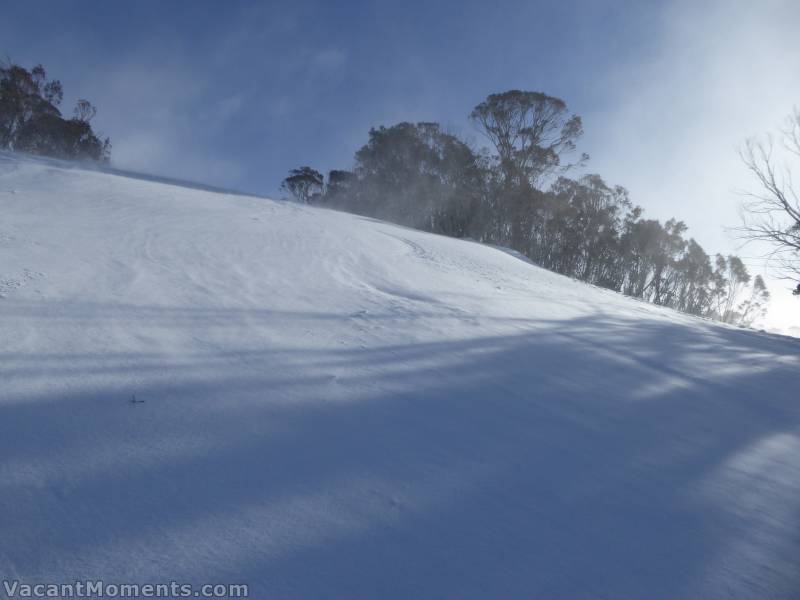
pixel 335 407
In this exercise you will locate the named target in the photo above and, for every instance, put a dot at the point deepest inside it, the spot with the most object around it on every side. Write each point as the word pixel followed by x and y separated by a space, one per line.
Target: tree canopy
pixel 30 120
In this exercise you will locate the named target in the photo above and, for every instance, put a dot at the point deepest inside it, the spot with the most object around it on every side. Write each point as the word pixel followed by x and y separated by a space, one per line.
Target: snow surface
pixel 333 407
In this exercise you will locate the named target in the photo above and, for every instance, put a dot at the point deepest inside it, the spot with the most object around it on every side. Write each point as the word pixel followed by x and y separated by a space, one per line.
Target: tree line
pixel 517 193
pixel 31 121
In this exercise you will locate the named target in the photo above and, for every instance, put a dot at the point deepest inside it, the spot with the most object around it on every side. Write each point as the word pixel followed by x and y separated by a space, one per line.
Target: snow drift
pixel 331 406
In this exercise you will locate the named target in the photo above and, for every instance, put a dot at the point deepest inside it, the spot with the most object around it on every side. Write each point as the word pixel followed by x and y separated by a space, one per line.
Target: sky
pixel 236 93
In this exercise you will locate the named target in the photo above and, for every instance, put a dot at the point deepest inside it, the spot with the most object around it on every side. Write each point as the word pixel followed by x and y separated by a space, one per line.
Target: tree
pixel 731 279
pixel 772 215
pixel 340 184
pixel 755 306
pixel 694 281
pixel 734 299
pixel 588 221
pixel 30 120
pixel 304 184
pixel 84 111
pixel 418 175
pixel 22 98
pixel 530 132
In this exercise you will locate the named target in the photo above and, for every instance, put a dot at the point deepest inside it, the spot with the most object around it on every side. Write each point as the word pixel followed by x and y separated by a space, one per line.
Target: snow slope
pixel 334 407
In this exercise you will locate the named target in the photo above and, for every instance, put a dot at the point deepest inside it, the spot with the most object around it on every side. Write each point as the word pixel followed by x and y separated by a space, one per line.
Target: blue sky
pixel 235 93
pixel 258 88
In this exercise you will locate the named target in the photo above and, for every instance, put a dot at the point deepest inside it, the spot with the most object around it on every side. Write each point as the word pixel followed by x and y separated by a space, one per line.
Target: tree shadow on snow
pixel 587 458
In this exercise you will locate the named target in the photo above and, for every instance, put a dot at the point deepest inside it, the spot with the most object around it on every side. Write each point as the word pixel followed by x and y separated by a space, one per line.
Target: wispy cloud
pixel 157 121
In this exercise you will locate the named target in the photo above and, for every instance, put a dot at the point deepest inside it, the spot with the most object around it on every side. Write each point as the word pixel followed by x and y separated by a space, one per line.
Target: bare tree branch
pixel 772 214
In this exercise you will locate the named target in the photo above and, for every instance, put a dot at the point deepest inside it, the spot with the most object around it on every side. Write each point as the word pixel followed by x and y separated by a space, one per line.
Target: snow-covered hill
pixel 334 407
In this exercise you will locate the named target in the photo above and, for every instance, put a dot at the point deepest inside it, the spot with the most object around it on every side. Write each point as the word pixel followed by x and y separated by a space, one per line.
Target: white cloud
pixel 723 71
